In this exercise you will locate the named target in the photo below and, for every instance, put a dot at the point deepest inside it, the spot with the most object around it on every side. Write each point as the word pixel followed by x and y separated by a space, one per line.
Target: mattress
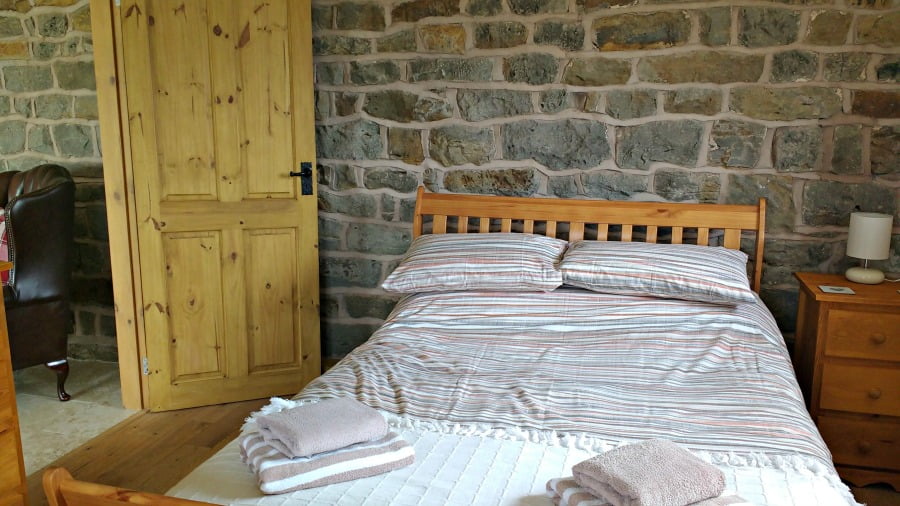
pixel 500 392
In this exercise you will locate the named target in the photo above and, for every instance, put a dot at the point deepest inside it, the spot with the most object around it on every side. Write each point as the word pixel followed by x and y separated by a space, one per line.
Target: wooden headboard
pixel 602 220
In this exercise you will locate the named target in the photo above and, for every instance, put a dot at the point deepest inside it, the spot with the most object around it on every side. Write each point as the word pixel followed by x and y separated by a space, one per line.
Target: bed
pixel 499 391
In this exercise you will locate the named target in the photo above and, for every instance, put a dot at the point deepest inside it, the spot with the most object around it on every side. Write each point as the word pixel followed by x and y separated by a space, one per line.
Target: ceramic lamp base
pixel 864 276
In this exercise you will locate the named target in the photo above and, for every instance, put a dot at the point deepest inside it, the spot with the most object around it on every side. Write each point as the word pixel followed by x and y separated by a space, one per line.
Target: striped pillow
pixel 674 271
pixel 496 261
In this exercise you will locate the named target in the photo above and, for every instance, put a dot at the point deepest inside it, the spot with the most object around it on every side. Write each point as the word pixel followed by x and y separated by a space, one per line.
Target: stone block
pixel 45 50
pixel 355 140
pixel 477 105
pixel 55 3
pixel 552 101
pixel 323 106
pixel 374 72
pixel 369 306
pixel 406 145
pixel 15 5
pixel 403 41
pixel 735 143
pixel 419 9
pixel 624 32
pixel 329 305
pixel 51 25
pixel 330 73
pixel 449 38
pixel 594 5
pixel 694 101
pixel 345 104
pixel 75 75
pixel 74 140
pixel 86 107
pixel 564 35
pixel 5 106
pixel 676 142
pixel 322 17
pixel 39 139
pixel 783 258
pixel 846 66
pixel 883 151
pixel 483 8
pixel 16 50
pixel 776 189
pixel 765 26
pixel 715 26
pixel 719 67
pixel 355 204
pixel 531 68
pixel 396 179
pixel 831 202
pixel 509 182
pixel 324 45
pixel 829 28
pixel 53 106
pixel 613 185
pixel 405 107
pixel 24 78
pixel 563 186
pixel 378 239
pixel 881 29
pixel 92 258
pixel 339 176
pixel 846 156
pixel 803 102
pixel 339 339
pixel 86 192
pixel 333 229
pixel 23 106
pixel 450 69
pixel 594 101
pixel 797 149
pixel 80 20
pixel 783 305
pixel 96 291
pixel 558 145
pixel 876 103
pixel 682 185
pixel 596 72
pixel 500 34
pixel 629 104
pixel 359 16
pixel 459 145
pixel 793 66
pixel 87 323
pixel 888 69
pixel 528 7
pixel 11 26
pixel 97 225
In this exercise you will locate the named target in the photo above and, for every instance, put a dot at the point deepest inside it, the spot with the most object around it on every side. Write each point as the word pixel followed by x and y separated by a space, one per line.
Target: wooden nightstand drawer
pixel 861 334
pixel 862 443
pixel 861 389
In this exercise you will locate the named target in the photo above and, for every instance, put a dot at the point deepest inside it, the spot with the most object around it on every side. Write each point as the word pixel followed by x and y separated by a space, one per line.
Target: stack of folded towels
pixel 651 473
pixel 331 441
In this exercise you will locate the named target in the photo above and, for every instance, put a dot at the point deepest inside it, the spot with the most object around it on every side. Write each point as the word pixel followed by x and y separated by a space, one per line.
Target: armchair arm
pixel 39 227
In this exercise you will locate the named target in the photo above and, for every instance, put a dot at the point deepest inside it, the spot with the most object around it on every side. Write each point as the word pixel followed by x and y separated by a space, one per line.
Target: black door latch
pixel 305 176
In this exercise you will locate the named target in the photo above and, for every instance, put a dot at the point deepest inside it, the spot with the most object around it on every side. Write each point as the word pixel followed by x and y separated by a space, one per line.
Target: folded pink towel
pixel 277 474
pixel 651 473
pixel 567 492
pixel 324 426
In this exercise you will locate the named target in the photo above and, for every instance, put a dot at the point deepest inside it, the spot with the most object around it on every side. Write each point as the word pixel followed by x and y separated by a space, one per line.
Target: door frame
pixel 120 211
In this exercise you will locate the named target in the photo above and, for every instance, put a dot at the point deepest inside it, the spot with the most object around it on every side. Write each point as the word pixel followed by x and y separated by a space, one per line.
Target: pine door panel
pixel 219 106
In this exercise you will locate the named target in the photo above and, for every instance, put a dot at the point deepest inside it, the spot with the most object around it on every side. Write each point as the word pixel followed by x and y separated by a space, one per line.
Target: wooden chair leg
pixel 61 368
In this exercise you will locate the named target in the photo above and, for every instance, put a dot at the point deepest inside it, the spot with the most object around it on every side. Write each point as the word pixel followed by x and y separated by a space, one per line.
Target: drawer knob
pixel 864 447
pixel 875 393
pixel 878 339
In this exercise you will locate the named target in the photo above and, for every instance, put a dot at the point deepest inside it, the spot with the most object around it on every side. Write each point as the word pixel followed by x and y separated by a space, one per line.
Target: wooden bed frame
pixel 440 213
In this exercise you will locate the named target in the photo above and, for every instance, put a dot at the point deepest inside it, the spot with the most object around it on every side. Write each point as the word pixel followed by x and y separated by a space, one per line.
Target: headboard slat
pixel 528 227
pixel 440 224
pixel 506 225
pixel 703 236
pixel 602 231
pixel 462 225
pixel 677 235
pixel 551 229
pixel 484 225
pixel 651 234
pixel 576 231
pixel 732 238
pixel 626 233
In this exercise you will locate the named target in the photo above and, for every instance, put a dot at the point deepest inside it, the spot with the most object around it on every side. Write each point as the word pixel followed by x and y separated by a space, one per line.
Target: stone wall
pixel 714 101
pixel 48 113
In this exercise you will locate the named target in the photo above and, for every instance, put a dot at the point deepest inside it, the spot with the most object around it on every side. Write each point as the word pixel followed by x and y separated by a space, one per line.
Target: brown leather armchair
pixel 40 207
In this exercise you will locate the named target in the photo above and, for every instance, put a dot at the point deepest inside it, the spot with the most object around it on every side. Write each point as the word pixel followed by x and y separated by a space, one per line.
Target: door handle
pixel 305 175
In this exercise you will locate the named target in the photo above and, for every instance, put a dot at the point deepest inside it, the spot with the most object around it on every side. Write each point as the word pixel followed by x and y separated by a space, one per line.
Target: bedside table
pixel 847 360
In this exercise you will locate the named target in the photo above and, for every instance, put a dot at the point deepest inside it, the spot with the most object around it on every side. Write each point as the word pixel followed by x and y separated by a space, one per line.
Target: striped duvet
pixel 575 363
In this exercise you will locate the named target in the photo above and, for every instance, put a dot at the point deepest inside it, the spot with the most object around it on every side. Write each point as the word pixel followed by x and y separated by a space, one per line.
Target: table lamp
pixel 869 239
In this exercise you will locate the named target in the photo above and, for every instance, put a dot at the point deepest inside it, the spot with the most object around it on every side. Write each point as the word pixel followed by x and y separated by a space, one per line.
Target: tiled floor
pixel 50 428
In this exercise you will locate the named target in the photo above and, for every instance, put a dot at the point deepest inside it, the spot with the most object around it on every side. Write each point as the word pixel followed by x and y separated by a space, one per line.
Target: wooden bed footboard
pixel 64 490
pixel 603 220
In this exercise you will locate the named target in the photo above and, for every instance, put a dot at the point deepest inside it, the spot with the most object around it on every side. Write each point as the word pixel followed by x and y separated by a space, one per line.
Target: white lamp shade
pixel 870 236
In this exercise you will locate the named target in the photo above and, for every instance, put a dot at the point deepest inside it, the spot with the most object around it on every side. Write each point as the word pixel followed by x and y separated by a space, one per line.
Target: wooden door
pixel 219 111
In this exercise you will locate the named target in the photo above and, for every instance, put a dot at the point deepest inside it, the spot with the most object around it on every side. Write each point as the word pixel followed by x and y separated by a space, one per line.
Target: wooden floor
pixel 151 452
